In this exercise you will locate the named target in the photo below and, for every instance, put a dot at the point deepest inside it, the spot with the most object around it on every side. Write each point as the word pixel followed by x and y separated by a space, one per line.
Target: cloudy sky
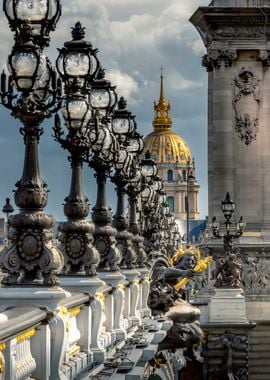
pixel 135 38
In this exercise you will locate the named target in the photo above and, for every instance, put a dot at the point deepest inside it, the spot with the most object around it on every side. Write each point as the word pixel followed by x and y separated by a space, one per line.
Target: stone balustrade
pixel 74 336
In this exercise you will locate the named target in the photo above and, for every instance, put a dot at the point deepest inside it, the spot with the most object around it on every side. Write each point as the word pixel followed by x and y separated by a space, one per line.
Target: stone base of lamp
pixel 82 284
pixel 116 306
pixel 144 292
pixel 45 296
pixel 132 294
pixel 228 306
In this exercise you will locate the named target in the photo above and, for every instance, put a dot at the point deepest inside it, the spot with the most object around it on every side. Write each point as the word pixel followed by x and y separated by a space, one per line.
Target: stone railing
pixel 74 336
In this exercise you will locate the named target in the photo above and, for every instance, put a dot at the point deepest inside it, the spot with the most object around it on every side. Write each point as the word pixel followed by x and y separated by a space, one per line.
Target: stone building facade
pixel 175 163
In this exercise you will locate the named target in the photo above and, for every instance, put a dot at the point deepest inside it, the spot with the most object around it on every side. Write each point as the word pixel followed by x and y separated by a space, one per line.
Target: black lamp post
pixel 76 64
pixel 228 272
pixel 30 92
pixel 126 174
pixel 190 179
pixel 103 154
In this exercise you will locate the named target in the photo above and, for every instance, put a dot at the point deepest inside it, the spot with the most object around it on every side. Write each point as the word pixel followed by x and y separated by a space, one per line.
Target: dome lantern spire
pixel 162 120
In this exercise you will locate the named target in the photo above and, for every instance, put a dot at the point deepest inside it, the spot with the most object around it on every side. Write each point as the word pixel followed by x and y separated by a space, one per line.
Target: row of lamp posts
pixel 94 133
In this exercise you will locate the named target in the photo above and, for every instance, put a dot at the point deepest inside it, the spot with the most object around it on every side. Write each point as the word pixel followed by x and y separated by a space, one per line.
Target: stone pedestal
pixel 132 294
pixel 115 307
pixel 82 284
pixel 228 306
pixel 50 297
pixel 144 292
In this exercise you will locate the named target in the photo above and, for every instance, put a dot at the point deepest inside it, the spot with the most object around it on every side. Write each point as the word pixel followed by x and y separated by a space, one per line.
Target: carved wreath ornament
pixel 246 105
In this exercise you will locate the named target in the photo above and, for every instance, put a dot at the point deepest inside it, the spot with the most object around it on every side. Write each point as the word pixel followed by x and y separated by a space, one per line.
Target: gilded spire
pixel 162 120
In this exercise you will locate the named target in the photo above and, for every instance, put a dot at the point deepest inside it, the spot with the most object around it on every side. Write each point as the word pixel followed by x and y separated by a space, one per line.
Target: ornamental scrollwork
pixel 246 104
pixel 215 58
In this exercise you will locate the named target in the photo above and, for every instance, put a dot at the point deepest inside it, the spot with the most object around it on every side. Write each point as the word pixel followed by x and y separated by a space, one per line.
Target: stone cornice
pixel 215 24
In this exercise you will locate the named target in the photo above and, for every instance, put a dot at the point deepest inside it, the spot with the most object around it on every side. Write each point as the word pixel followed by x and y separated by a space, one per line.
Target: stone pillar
pixel 236 34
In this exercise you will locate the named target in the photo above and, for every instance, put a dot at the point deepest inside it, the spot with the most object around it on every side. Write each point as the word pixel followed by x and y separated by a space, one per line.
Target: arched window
pixel 170 201
pixel 170 175
pixel 184 175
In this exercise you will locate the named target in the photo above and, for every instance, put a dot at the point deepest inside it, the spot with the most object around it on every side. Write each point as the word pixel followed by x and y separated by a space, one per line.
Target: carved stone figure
pixel 255 276
pixel 227 370
pixel 165 300
pixel 246 105
pixel 228 271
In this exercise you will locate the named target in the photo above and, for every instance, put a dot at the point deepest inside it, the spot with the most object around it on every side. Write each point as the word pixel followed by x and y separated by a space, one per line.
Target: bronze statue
pixel 166 301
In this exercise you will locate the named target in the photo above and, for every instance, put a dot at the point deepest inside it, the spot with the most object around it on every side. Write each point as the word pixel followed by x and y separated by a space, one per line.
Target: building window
pixel 184 176
pixel 170 201
pixel 170 176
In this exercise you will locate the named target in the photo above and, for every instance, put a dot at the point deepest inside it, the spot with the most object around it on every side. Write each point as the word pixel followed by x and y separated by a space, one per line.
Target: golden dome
pixel 164 144
pixel 167 146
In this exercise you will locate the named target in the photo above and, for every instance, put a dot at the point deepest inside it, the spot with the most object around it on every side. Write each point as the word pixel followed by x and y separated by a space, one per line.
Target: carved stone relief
pixel 246 104
pixel 241 32
pixel 214 58
pixel 229 349
pixel 256 275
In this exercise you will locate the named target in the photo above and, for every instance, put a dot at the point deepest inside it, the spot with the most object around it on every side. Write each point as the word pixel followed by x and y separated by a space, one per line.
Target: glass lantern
pixel 122 121
pixel 42 15
pixel 227 207
pixel 77 113
pixel 103 97
pixel 77 63
pixel 23 65
pixel 135 144
pixel 149 168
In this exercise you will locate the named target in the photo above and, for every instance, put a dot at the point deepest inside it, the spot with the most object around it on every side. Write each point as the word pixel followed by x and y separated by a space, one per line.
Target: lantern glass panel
pixel 145 194
pixel 120 126
pixel 77 64
pixel 31 10
pixel 100 98
pixel 76 113
pixel 24 65
pixel 147 170
pixel 43 75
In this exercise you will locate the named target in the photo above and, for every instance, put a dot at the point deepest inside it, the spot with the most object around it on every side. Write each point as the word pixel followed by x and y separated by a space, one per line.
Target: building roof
pixel 164 144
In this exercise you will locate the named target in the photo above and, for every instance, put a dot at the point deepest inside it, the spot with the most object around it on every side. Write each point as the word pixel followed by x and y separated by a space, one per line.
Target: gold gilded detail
pixel 74 312
pixel 202 265
pixel 63 311
pixel 101 297
pixel 2 346
pixel 25 335
pixel 74 350
pixel 164 144
pixel 2 365
pixel 122 287
pixel 162 119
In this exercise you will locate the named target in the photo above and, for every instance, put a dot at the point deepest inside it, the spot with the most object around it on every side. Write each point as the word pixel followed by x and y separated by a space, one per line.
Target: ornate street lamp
pixel 41 15
pixel 103 97
pixel 77 62
pixel 124 127
pixel 31 100
pixel 81 257
pixel 228 272
pixel 103 153
pixel 190 180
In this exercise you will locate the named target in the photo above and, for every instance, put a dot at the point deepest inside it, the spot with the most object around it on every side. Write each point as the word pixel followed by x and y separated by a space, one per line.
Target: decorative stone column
pixel 236 37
